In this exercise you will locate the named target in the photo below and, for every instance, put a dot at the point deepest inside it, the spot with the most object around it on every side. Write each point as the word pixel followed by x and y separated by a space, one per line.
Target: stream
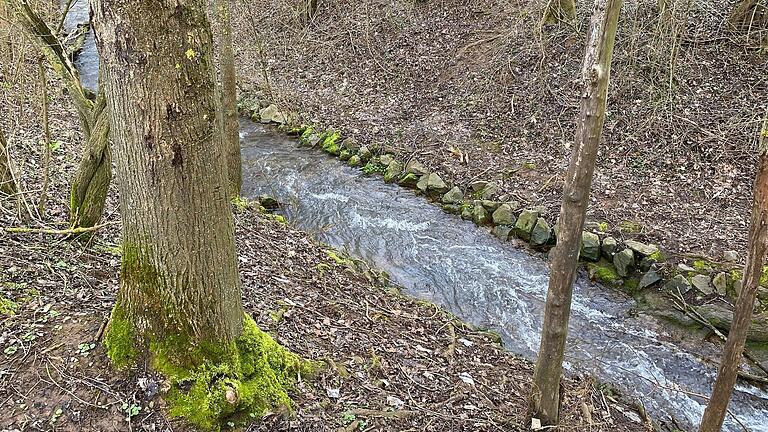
pixel 443 259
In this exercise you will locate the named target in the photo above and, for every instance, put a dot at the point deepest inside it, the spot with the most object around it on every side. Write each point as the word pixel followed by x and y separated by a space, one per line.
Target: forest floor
pixel 478 91
pixel 395 363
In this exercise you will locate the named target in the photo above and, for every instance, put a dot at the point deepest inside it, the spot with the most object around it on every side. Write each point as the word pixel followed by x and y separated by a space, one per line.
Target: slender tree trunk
pixel 89 187
pixel 46 138
pixel 559 11
pixel 545 393
pixel 7 184
pixel 757 246
pixel 179 271
pixel 230 126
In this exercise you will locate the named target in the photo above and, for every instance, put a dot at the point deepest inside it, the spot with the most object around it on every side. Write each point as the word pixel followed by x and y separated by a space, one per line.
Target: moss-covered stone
pixel 331 143
pixel 604 271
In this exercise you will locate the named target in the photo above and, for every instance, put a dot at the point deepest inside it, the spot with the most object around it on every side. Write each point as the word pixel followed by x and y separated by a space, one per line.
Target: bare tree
pixel 596 71
pixel 757 247
pixel 179 305
pixel 90 185
pixel 7 183
pixel 750 14
pixel 558 11
pixel 227 115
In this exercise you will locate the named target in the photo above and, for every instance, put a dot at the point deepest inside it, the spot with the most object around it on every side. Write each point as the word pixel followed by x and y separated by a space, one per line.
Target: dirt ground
pixel 477 90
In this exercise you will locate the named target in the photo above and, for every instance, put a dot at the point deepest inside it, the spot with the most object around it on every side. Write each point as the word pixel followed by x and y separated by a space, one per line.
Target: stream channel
pixel 441 258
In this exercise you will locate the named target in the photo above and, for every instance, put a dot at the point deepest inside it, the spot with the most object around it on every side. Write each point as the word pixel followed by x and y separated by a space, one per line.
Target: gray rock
pixel 351 144
pixel 648 279
pixel 393 171
pixel 504 215
pixel 491 206
pixel 677 283
pixel 452 208
pixel 436 184
pixel 453 196
pixel 525 223
pixel 721 317
pixel 479 213
pixel 489 191
pixel 478 185
pixel 731 256
pixel 314 139
pixel 721 283
pixel 685 268
pixel 354 161
pixel 466 212
pixel 646 263
pixel 702 283
pixel 609 247
pixel 386 159
pixel 624 262
pixel 502 231
pixel 590 246
pixel 422 183
pixel 271 114
pixel 416 167
pixel 641 248
pixel 541 233
pixel 365 153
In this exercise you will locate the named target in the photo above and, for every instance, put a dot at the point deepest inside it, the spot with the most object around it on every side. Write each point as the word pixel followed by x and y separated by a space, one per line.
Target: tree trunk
pixel 7 184
pixel 230 126
pixel 179 304
pixel 545 393
pixel 559 11
pixel 715 412
pixel 750 14
pixel 89 187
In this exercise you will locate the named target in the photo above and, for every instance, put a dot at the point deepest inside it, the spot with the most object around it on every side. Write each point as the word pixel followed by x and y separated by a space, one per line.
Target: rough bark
pixel 179 270
pixel 230 126
pixel 545 393
pixel 46 138
pixel 559 11
pixel 7 184
pixel 89 187
pixel 750 14
pixel 757 247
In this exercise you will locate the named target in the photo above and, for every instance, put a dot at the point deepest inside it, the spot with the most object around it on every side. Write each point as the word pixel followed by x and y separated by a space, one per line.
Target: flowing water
pixel 441 258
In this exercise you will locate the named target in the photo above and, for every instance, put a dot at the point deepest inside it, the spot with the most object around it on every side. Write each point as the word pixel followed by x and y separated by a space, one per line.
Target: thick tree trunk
pixel 179 272
pixel 230 126
pixel 545 394
pixel 7 185
pixel 89 187
pixel 750 14
pixel 559 11
pixel 757 247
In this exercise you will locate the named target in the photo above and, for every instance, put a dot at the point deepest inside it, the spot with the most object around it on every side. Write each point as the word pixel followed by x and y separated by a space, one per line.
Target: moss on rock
pixel 119 341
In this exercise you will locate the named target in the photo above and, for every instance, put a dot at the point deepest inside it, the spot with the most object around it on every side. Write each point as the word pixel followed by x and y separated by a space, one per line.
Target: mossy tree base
pixel 214 384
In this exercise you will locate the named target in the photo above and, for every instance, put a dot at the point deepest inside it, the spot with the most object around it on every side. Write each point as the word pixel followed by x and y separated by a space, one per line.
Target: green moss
pixel 603 226
pixel 8 307
pixel 119 341
pixel 604 271
pixel 338 259
pixel 701 265
pixel 331 143
pixel 372 167
pixel 304 139
pixel 658 256
pixel 764 277
pixel 630 227
pixel 277 218
pixel 233 382
pixel 241 204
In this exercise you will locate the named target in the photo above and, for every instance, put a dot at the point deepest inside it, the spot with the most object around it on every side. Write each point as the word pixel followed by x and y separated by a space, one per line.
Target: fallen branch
pixel 69 231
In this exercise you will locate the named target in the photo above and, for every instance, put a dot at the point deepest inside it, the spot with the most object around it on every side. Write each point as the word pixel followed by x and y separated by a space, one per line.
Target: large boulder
pixel 479 213
pixel 648 279
pixel 350 144
pixel 504 215
pixel 409 180
pixel 590 246
pixel 502 231
pixel 541 233
pixel 720 316
pixel 355 161
pixel 525 223
pixel 365 153
pixel 720 283
pixel 624 262
pixel 271 114
pixel 436 184
pixel 489 191
pixel 453 196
